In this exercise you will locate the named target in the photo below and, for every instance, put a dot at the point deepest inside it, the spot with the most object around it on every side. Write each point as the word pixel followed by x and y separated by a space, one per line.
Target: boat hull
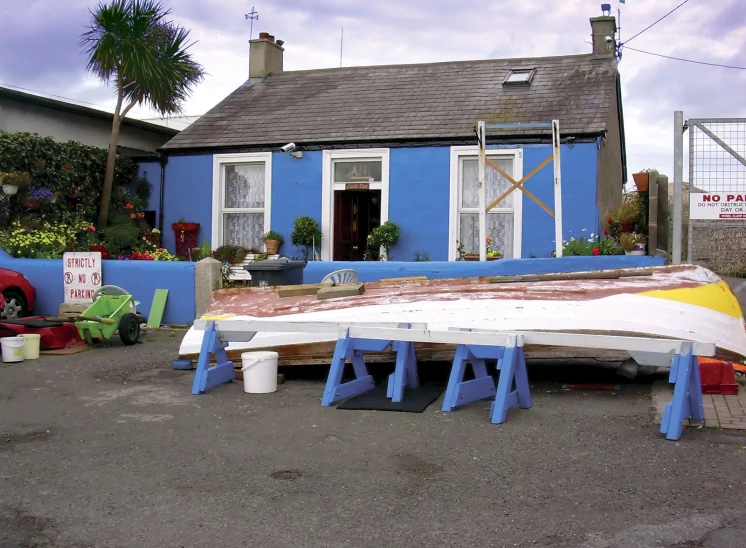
pixel 686 302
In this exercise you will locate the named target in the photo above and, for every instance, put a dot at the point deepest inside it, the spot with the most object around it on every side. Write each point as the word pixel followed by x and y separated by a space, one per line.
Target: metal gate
pixel 717 194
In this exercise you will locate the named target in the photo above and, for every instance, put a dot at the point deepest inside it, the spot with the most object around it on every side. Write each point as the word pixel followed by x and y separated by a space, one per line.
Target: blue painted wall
pixel 152 172
pixel 139 278
pixel 373 271
pixel 419 197
pixel 188 195
pixel 296 191
pixel 419 192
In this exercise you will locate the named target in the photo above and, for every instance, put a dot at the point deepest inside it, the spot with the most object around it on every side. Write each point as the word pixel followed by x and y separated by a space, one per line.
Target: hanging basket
pixel 187 227
pixel 642 181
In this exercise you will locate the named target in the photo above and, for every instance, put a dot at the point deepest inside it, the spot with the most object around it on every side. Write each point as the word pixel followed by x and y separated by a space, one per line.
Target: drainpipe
pixel 163 161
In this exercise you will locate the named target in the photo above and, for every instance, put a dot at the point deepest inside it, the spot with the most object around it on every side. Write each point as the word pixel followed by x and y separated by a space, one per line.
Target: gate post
pixel 678 174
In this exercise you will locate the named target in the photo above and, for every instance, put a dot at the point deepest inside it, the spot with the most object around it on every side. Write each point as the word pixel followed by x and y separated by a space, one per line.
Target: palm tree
pixel 130 44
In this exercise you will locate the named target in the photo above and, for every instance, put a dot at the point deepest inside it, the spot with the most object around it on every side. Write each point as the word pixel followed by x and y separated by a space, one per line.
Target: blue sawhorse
pixel 206 377
pixel 512 366
pixel 353 349
pixel 687 394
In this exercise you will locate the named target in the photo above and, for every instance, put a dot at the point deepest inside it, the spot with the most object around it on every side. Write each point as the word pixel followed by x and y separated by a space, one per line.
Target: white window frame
pixel 459 152
pixel 328 187
pixel 218 190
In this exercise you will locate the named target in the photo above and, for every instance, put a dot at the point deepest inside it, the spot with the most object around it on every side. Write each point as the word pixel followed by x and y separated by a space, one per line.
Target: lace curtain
pixel 500 226
pixel 244 189
pixel 244 186
pixel 496 183
pixel 244 229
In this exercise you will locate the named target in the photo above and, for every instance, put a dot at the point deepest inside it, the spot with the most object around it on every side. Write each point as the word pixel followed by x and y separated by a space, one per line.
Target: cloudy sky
pixel 40 52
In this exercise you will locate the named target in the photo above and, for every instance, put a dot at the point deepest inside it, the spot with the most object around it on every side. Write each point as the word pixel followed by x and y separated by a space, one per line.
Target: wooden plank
pixel 560 276
pixel 157 308
pixel 520 183
pixel 345 290
pixel 409 279
pixel 526 192
pixel 297 290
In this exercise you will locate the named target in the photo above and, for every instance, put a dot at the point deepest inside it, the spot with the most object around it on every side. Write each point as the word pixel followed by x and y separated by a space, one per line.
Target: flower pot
pixel 185 226
pixel 642 181
pixel 10 190
pixel 627 226
pixel 272 246
pixel 634 252
pixel 471 257
pixel 494 258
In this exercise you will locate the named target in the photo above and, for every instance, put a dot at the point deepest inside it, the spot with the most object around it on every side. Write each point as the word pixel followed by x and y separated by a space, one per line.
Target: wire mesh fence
pixel 717 164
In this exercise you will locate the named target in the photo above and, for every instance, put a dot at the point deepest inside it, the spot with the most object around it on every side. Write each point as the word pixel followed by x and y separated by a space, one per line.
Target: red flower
pixel 141 215
pixel 135 255
pixel 596 251
pixel 129 206
pixel 606 232
pixel 92 228
pixel 611 222
pixel 132 215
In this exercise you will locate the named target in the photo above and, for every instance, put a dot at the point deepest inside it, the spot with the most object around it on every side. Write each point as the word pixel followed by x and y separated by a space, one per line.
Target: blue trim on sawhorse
pixel 687 395
pixel 512 366
pixel 405 372
pixel 206 377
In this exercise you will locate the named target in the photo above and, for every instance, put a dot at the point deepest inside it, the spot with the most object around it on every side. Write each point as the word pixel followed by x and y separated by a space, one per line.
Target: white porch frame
pixel 457 153
pixel 218 190
pixel 328 187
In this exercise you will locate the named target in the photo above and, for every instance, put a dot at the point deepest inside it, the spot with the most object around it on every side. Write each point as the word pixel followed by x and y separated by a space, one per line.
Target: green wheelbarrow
pixel 113 310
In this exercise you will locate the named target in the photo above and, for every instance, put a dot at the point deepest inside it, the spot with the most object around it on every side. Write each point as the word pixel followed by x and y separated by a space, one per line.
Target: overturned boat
pixel 679 302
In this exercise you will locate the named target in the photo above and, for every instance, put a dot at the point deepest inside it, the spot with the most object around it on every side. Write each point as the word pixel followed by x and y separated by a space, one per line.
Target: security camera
pixel 290 147
pixel 609 43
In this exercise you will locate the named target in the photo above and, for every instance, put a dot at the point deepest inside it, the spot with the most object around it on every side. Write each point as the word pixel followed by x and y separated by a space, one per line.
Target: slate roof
pixel 406 103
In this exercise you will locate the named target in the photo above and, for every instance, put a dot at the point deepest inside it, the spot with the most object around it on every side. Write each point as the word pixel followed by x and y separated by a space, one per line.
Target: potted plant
pixel 492 254
pixel 642 180
pixel 306 234
pixel 632 243
pixel 384 236
pixel 272 241
pixel 625 214
pixel 13 180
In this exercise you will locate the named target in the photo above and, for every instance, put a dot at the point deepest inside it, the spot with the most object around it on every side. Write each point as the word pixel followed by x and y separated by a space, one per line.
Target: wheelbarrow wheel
pixel 129 329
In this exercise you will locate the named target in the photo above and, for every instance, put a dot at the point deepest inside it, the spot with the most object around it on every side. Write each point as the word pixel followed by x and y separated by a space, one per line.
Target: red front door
pixel 356 213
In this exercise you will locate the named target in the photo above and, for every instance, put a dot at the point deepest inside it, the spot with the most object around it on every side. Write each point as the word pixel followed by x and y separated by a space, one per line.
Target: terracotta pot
pixel 471 257
pixel 272 246
pixel 494 258
pixel 642 181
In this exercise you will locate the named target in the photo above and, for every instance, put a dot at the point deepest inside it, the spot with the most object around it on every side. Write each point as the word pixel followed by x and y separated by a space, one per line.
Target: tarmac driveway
pixel 108 448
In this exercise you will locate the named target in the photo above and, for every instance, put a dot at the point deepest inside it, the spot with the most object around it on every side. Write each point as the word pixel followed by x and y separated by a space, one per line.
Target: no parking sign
pixel 82 276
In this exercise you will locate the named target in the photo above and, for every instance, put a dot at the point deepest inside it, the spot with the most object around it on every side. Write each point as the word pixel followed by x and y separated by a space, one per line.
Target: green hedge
pixel 68 168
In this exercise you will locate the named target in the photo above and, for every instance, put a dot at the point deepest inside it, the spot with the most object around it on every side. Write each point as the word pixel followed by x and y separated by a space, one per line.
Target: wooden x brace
pixel 519 185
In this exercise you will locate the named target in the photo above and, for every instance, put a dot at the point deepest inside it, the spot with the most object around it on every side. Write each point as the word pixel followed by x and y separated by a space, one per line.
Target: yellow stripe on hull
pixel 718 297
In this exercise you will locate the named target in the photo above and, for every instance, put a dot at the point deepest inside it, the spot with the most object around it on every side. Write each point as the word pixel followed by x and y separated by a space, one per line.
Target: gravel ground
pixel 108 448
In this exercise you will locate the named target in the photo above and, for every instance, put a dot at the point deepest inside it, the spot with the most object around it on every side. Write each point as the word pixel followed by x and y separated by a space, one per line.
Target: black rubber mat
pixel 415 400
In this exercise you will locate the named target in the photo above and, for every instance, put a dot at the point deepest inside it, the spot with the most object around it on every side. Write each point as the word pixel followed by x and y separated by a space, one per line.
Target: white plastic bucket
pixel 12 348
pixel 259 372
pixel 30 350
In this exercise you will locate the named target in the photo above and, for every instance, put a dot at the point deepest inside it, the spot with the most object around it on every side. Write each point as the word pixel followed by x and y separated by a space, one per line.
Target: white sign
pixel 717 205
pixel 82 276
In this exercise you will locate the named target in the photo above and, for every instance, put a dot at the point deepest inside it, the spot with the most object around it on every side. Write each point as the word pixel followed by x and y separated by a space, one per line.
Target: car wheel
pixel 129 329
pixel 14 306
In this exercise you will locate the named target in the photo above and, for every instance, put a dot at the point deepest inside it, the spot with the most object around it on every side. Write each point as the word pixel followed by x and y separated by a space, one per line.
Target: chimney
pixel 265 56
pixel 601 28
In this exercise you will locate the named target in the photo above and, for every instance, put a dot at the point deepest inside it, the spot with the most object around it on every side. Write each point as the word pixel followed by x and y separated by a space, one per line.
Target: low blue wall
pixel 373 271
pixel 140 278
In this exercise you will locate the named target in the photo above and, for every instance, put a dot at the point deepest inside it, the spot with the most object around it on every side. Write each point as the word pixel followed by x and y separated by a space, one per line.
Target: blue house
pixel 355 147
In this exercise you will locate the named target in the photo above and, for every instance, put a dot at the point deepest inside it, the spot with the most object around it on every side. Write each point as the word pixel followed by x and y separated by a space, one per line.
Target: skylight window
pixel 520 76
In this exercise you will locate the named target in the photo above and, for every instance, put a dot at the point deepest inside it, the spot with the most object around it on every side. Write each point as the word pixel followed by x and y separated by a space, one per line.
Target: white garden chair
pixel 340 277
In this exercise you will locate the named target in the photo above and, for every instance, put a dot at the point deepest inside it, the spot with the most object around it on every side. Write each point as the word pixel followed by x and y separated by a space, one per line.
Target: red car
pixel 18 295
